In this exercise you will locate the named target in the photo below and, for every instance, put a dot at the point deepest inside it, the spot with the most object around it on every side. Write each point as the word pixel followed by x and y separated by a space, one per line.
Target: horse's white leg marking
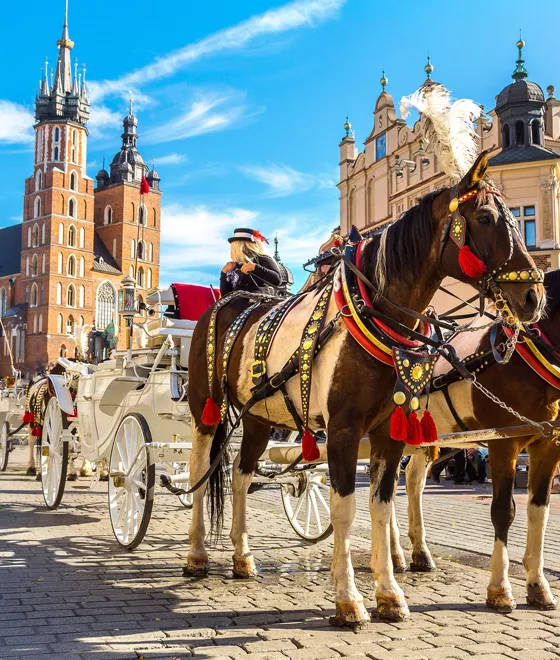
pixel 397 553
pixel 391 603
pixel 350 607
pixel 243 561
pixel 500 595
pixel 31 447
pixel 538 589
pixel 415 481
pixel 197 560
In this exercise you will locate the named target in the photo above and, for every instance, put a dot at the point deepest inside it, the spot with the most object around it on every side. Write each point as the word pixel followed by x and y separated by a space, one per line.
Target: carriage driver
pixel 250 268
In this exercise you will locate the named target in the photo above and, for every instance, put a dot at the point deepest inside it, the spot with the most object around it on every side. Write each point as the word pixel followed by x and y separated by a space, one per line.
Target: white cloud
pixel 16 123
pixel 282 180
pixel 208 113
pixel 294 15
pixel 171 159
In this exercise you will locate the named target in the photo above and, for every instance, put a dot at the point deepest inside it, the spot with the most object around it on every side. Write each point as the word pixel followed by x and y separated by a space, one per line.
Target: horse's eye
pixel 485 219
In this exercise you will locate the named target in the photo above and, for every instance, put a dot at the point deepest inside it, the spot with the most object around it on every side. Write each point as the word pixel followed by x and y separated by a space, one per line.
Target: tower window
pixel 35 236
pixel 40 323
pixel 72 266
pixel 82 237
pixel 142 215
pixel 55 153
pixel 519 132
pixel 34 266
pixel 62 351
pixel 149 278
pixel 82 295
pixel 59 300
pixel 106 303
pixel 60 259
pixel 43 233
pixel 42 294
pixel 141 277
pixel 82 267
pixel 37 207
pixel 133 249
pixel 72 235
pixel 70 325
pixel 73 181
pixel 141 250
pixel 38 180
pixel 57 134
pixel 71 296
pixel 536 131
pixel 59 323
pixel 61 233
pixel 108 219
pixel 34 296
pixel 72 207
pixel 506 138
pixel 155 217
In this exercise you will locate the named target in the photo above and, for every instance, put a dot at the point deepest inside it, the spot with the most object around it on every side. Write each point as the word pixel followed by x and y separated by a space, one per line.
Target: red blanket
pixel 192 300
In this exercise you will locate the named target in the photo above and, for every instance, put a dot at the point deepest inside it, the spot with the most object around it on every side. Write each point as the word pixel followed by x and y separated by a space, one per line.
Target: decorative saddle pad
pixel 192 300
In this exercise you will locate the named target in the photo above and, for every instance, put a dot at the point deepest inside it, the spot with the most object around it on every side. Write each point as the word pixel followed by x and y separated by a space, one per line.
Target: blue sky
pixel 242 104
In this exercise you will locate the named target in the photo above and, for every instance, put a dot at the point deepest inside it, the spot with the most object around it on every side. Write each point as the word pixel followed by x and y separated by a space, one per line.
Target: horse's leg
pixel 415 481
pixel 343 457
pixel 544 456
pixel 385 459
pixel 255 439
pixel 397 553
pixel 197 559
pixel 503 456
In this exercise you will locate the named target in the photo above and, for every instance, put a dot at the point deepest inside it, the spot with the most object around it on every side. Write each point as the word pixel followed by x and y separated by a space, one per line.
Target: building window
pixel 380 146
pixel 506 138
pixel 133 212
pixel 37 207
pixel 149 278
pixel 60 261
pixel 40 323
pixel 142 215
pixel 73 180
pixel 44 264
pixel 34 296
pixel 62 351
pixel 29 237
pixel 82 267
pixel 519 132
pixel 516 212
pixel 35 324
pixel 59 295
pixel 536 131
pixel 82 295
pixel 131 272
pixel 57 134
pixel 26 294
pixel 530 234
pixel 72 235
pixel 59 323
pixel 61 233
pixel 133 249
pixel 27 267
pixel 72 266
pixel 141 250
pixel 34 266
pixel 42 299
pixel 71 296
pixel 108 218
pixel 72 207
pixel 43 233
pixel 55 153
pixel 82 237
pixel 74 145
pixel 155 217
pixel 105 305
pixel 38 181
pixel 114 247
pixel 35 236
pixel 151 252
pixel 141 277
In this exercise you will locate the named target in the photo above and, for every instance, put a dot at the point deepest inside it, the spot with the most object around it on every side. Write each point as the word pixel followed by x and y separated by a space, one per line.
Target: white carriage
pixel 130 413
pixel 12 408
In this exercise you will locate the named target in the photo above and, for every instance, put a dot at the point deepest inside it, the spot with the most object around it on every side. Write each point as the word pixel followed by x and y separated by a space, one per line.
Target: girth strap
pixel 452 409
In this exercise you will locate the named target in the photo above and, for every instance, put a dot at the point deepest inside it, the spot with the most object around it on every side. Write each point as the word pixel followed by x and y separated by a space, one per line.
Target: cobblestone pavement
pixel 68 592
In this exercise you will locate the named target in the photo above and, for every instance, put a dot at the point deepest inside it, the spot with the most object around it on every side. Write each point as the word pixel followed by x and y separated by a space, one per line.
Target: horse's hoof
pixel 196 567
pixel 72 477
pixel 391 609
pixel 422 562
pixel 350 614
pixel 31 472
pixel 500 599
pixel 399 564
pixel 541 598
pixel 244 567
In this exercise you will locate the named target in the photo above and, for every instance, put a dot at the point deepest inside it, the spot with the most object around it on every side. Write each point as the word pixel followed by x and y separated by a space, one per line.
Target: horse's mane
pixel 552 286
pixel 399 252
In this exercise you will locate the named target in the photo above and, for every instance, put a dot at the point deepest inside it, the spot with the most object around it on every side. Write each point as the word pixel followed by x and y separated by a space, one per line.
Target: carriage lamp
pixel 127 306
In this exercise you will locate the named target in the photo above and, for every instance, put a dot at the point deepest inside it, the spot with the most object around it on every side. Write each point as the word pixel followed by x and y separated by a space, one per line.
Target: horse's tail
pixel 219 481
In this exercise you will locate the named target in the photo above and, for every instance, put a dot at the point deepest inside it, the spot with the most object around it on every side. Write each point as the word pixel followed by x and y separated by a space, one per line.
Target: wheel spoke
pixel 298 506
pixel 322 499
pixel 117 496
pixel 307 513
pixel 316 510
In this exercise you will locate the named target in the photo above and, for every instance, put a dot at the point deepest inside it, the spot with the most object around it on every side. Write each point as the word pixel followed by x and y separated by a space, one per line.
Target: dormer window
pixel 506 138
pixel 536 131
pixel 519 132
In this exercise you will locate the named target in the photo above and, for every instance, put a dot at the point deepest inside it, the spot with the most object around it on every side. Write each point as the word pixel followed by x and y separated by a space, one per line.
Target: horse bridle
pixel 456 229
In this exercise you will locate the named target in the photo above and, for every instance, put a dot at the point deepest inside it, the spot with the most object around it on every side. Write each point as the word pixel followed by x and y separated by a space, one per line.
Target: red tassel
pixel 470 264
pixel 399 425
pixel 414 430
pixel 309 447
pixel 28 417
pixel 37 431
pixel 429 430
pixel 211 413
pixel 144 186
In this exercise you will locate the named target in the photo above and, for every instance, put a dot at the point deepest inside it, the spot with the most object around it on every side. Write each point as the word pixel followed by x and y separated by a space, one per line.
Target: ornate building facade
pixel 396 168
pixel 61 268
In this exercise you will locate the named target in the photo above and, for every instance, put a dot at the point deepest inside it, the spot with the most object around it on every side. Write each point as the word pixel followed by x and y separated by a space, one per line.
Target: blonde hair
pixel 243 252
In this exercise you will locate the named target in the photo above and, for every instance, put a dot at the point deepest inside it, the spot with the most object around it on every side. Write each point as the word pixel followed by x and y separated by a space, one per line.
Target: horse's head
pixel 481 245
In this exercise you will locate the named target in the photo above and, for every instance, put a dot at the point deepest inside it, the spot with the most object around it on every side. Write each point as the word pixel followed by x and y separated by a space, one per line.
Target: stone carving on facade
pixel 547 189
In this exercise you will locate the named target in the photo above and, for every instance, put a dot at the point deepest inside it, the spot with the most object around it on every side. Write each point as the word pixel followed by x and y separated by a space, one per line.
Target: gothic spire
pixel 63 77
pixel 520 72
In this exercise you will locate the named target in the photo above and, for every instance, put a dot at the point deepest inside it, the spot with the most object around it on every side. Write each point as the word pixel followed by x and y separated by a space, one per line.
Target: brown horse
pixel 518 385
pixel 351 391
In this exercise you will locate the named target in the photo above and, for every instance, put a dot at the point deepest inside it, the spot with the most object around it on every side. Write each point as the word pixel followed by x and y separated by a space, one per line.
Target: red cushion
pixel 192 300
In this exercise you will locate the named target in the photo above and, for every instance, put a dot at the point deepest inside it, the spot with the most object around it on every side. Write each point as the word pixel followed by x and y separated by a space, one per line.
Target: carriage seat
pixel 189 301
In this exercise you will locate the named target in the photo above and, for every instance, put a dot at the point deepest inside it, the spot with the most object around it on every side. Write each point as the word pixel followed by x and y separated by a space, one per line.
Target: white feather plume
pixel 447 126
pixel 81 337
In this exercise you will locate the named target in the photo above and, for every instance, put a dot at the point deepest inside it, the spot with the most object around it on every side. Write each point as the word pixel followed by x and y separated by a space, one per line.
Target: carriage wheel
pixel 132 476
pixel 307 506
pixel 4 446
pixel 54 455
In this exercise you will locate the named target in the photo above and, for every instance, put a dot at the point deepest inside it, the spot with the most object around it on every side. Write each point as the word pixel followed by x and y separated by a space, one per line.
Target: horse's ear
pixel 475 174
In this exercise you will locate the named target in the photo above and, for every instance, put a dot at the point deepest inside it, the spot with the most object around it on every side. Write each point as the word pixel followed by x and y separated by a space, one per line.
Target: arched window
pixel 37 207
pixel 73 180
pixel 82 295
pixel 59 323
pixel 72 235
pixel 61 233
pixel 29 237
pixel 34 265
pixel 40 323
pixel 71 296
pixel 35 236
pixel 38 181
pixel 133 249
pixel 106 300
pixel 519 132
pixel 34 301
pixel 44 264
pixel 43 233
pixel 536 131
pixel 141 277
pixel 57 134
pixel 82 321
pixel 72 266
pixel 62 351
pixel 42 299
pixel 26 294
pixel 506 138
pixel 82 267
pixel 59 294
pixel 141 250
pixel 74 146
pixel 35 324
pixel 55 153
pixel 82 237
pixel 151 252
pixel 142 215
pixel 2 302
pixel 108 215
pixel 114 247
pixel 27 266
pixel 70 325
pixel 155 217
pixel 72 207
pixel 39 145
pixel 60 262
pixel 150 278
